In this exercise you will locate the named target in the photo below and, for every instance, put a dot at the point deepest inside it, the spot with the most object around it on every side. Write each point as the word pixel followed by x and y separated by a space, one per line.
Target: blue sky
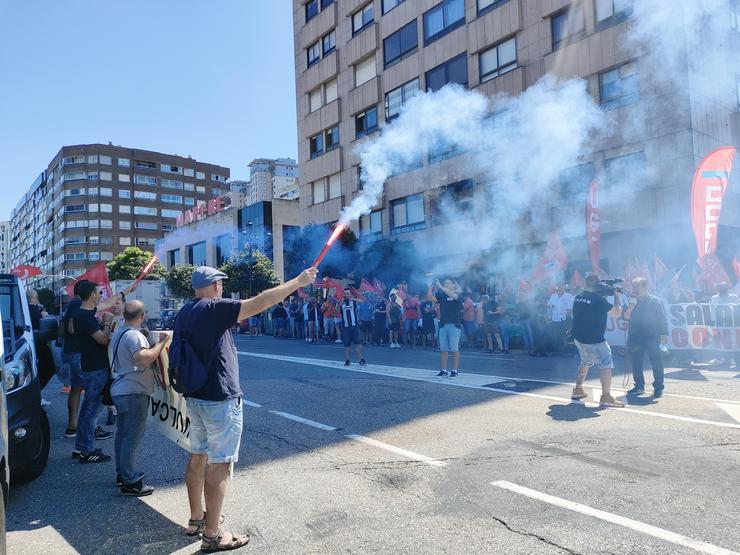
pixel 212 79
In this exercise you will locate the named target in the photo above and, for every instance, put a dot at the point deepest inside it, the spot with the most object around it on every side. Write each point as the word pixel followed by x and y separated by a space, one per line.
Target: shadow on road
pixel 572 412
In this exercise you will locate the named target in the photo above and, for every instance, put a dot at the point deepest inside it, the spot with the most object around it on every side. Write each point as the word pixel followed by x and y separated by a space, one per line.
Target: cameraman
pixel 590 310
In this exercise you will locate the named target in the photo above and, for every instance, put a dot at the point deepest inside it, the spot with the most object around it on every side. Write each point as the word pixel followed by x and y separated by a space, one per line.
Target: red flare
pixel 337 232
pixel 146 269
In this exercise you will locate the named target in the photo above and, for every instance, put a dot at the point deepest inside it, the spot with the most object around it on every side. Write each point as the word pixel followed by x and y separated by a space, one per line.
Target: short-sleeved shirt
pixel 490 316
pixel 279 312
pixel 427 311
pixel 131 378
pixel 589 317
pixel 561 304
pixel 366 311
pixel 210 337
pixel 411 308
pixel 94 355
pixel 70 341
pixel 450 310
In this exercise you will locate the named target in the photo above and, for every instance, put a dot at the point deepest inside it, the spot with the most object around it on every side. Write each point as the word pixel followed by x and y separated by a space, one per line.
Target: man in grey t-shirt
pixel 131 361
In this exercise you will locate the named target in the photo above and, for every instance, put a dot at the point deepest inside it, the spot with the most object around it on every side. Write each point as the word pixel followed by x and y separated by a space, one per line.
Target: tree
pixel 249 274
pixel 390 261
pixel 178 281
pixel 129 263
pixel 306 245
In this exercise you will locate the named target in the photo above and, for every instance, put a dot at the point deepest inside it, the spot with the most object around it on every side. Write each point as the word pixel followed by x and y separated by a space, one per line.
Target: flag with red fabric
pixel 365 286
pixel 26 271
pixel 379 287
pixel 707 192
pixel 577 280
pixel 736 267
pixel 356 294
pixel 554 260
pixel 302 294
pixel 712 272
pixel 524 286
pixel 98 274
pixel 660 268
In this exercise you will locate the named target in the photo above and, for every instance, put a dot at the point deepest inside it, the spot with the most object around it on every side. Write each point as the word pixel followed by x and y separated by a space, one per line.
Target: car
pixel 167 320
pixel 28 425
pixel 4 470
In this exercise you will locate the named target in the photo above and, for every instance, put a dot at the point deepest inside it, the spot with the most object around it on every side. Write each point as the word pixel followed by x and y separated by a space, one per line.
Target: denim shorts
pixel 74 362
pixel 216 428
pixel 411 325
pixel 449 338
pixel 596 354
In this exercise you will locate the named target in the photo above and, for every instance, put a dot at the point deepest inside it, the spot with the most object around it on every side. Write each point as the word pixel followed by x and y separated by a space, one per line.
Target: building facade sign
pixel 201 211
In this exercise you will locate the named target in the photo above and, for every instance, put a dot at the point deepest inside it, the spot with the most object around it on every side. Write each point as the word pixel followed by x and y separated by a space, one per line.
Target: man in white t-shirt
pixel 561 307
pixel 724 297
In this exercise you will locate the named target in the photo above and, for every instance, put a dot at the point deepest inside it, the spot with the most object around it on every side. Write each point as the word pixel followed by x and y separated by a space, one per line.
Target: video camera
pixel 608 287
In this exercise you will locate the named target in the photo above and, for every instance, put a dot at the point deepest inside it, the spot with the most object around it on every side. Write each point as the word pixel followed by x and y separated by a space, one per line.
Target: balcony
pixel 363 96
pixel 321 71
pixel 318 26
pixel 362 44
pixel 323 118
pixel 494 26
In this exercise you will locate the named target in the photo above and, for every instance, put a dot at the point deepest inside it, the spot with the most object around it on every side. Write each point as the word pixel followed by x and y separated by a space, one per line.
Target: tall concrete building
pixel 271 178
pixel 358 61
pixel 93 201
pixel 5 247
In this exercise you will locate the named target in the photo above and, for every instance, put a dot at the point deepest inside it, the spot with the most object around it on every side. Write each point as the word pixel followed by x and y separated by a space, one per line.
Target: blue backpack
pixel 188 373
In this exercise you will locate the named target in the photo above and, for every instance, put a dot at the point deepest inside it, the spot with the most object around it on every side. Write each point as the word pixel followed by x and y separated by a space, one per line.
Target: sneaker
pixel 338 340
pixel 75 454
pixel 111 419
pixel 69 433
pixel 347 362
pixel 363 362
pixel 658 393
pixel 97 456
pixel 101 434
pixel 578 393
pixel 442 373
pixel 637 390
pixel 138 489
pixel 45 402
pixel 119 480
pixel 453 374
pixel 609 401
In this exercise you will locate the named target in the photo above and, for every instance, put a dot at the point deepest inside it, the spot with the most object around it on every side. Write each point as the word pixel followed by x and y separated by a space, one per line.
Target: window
pixel 498 60
pixel 574 182
pixel 124 193
pixel 395 99
pixel 328 42
pixel 108 208
pixel 223 248
pixel 189 187
pixel 362 18
pixel 106 176
pixel 168 213
pixel 105 160
pixel 124 224
pixel 200 189
pixel 335 186
pixel 219 178
pixel 612 11
pixel 145 180
pixel 75 192
pixel 400 45
pixel 75 208
pixel 366 122
pixel 189 172
pixel 332 138
pixel 364 71
pixel 106 224
pixel 443 18
pixel 316 145
pixel 388 5
pixel 325 3
pixel 74 176
pixel 92 159
pixel 371 223
pixel 124 241
pixel 319 191
pixel 189 201
pixel 177 199
pixel 407 214
pixel 124 178
pixel 485 6
pixel 313 53
pixel 197 254
pixel 443 150
pixel 360 180
pixel 145 211
pixel 567 26
pixel 619 87
pixel 330 91
pixel 149 226
pixel 124 209
pixel 106 192
pixel 312 9
pixel 171 183
pixel 173 257
pixel 126 163
pixel 314 100
pixel 200 175
pixel 628 169
pixel 455 196
pixel 452 71
pixel 146 165
pixel 169 168
pixel 70 160
pixel 145 195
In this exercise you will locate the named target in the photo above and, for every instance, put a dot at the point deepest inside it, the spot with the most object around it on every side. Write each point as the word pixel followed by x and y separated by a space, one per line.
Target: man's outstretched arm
pixel 273 296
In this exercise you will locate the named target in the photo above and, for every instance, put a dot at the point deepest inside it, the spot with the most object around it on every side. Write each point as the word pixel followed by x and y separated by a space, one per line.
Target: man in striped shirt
pixel 350 327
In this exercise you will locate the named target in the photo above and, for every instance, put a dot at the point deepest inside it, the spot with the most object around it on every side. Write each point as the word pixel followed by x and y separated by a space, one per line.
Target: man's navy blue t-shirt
pixel 211 321
pixel 94 355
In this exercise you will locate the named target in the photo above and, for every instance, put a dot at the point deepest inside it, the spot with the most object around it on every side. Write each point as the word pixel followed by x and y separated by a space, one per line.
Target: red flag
pixel 356 294
pixel 25 271
pixel 97 274
pixel 379 286
pixel 736 267
pixel 524 286
pixel 707 192
pixel 553 260
pixel 577 280
pixel 674 280
pixel 712 272
pixel 365 286
pixel 660 268
pixel 302 294
pixel 593 224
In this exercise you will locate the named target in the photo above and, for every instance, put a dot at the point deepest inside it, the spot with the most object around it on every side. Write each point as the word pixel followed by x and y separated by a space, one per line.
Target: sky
pixel 211 79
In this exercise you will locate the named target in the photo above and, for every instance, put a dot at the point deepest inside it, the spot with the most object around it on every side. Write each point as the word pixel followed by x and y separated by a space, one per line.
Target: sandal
pixel 199 525
pixel 212 544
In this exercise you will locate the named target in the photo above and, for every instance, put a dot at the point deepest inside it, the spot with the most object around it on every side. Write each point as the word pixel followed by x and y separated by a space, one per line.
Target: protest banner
pixel 703 326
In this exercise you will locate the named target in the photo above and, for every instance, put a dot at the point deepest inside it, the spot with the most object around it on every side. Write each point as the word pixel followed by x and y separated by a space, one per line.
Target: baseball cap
pixel 205 276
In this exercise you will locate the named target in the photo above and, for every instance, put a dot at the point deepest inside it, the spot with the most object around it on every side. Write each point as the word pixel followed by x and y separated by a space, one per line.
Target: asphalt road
pixel 391 459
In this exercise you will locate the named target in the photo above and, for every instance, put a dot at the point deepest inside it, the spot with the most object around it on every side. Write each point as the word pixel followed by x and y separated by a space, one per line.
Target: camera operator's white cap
pixel 205 276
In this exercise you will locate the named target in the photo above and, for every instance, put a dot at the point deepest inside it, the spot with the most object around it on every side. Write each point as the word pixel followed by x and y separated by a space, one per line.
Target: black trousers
pixel 650 346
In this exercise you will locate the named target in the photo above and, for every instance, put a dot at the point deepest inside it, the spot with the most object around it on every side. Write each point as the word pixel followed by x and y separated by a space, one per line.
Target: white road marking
pixel 732 410
pixel 393 449
pixel 641 527
pixel 306 421
pixel 417 374
pixel 615 393
pixel 251 404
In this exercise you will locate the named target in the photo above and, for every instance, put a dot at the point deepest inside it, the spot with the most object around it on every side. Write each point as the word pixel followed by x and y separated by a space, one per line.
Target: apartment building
pixel 5 266
pixel 358 61
pixel 271 178
pixel 93 201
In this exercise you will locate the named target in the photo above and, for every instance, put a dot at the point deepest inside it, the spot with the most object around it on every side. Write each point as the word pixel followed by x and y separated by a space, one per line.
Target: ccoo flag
pixel 707 192
pixel 553 261
pixel 593 225
pixel 97 274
